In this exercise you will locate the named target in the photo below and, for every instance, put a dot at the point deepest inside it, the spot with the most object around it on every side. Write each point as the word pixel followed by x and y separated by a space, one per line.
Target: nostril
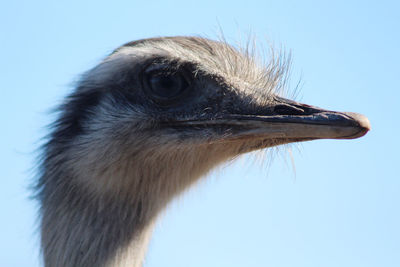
pixel 288 110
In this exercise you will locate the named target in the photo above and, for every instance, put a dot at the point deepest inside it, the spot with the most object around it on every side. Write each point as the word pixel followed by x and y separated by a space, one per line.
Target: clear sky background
pixel 339 205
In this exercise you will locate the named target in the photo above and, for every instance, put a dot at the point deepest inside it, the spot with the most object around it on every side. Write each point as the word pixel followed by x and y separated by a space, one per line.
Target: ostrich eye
pixel 165 85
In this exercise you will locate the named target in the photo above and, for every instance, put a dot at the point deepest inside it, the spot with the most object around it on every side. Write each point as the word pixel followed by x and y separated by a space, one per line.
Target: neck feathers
pixel 89 219
pixel 79 229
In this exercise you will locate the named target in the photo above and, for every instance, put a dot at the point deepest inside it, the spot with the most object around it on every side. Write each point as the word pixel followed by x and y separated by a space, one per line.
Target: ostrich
pixel 144 125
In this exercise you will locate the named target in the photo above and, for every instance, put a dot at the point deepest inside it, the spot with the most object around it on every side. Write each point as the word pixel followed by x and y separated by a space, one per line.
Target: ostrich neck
pixel 81 229
pixel 134 253
pixel 88 220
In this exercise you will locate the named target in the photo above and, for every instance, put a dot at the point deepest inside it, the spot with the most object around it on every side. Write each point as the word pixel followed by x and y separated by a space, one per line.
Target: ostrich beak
pixel 291 121
pixel 296 121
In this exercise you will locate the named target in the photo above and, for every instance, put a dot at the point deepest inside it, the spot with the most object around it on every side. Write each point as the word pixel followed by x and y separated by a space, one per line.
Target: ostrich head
pixel 145 124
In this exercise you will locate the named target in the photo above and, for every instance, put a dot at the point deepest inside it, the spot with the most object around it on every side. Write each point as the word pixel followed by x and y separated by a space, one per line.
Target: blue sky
pixel 339 205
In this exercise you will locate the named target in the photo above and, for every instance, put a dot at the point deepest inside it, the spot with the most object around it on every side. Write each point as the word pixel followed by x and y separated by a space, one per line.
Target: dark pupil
pixel 167 85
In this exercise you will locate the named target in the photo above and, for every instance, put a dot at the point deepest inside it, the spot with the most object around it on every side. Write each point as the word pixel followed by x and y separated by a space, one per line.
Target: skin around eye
pixel 166 85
